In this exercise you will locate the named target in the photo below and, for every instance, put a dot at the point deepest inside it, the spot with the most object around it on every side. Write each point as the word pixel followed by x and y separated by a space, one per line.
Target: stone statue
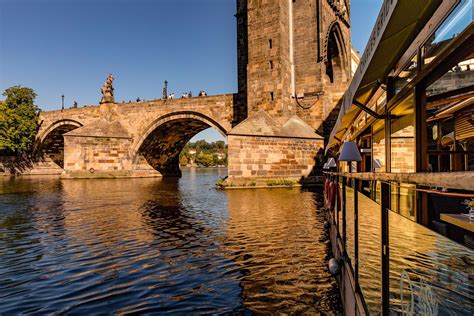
pixel 108 91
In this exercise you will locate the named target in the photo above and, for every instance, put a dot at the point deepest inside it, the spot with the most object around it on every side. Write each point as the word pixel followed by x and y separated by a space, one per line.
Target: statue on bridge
pixel 108 91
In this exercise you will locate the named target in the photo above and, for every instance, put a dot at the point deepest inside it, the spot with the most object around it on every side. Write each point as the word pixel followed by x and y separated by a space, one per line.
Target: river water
pixel 161 245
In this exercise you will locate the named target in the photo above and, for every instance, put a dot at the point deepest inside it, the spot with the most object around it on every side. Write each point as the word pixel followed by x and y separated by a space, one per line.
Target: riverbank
pixel 267 183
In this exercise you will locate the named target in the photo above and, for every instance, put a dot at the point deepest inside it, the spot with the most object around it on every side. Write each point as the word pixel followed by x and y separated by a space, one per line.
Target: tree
pixel 205 160
pixel 18 120
pixel 183 159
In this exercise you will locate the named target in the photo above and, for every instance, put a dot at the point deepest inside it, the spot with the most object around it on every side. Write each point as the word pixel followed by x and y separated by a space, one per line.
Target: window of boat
pixel 456 22
pixel 450 119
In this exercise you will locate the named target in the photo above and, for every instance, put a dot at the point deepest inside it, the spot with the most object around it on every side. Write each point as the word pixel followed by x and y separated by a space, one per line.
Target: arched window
pixel 335 57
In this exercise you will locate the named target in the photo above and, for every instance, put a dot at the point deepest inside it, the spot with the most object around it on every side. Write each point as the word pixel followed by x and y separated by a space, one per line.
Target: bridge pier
pixel 262 149
pixel 171 169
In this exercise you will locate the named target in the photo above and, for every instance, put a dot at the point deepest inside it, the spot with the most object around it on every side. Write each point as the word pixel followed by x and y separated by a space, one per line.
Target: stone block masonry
pixel 88 154
pixel 260 147
pixel 271 157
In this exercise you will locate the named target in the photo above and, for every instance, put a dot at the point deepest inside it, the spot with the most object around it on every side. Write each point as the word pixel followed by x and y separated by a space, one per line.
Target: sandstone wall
pixel 86 153
pixel 91 157
pixel 264 58
pixel 271 157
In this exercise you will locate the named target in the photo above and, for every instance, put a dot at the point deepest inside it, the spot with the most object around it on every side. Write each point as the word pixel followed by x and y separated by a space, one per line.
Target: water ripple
pixel 155 246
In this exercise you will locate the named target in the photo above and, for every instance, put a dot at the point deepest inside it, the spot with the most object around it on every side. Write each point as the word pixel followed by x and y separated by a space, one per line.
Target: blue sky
pixel 69 46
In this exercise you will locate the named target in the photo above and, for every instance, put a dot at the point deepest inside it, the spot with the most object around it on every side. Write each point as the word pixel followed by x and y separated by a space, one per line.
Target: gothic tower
pixel 294 57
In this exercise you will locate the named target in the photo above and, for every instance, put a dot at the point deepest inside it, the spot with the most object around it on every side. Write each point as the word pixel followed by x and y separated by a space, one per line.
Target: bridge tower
pixel 293 57
pixel 293 68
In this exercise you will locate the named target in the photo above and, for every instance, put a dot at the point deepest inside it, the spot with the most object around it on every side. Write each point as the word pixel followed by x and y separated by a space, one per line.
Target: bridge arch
pixel 50 141
pixel 57 124
pixel 164 139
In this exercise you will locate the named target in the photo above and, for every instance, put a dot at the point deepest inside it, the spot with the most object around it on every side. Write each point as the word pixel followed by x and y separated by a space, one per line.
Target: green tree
pixel 18 120
pixel 183 159
pixel 205 160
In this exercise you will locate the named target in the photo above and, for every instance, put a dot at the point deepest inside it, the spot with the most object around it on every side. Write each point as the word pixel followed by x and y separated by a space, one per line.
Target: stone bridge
pixel 144 139
pixel 293 66
pixel 129 139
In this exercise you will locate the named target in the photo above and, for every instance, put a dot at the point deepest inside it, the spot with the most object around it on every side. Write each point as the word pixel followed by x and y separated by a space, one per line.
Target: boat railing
pixel 392 263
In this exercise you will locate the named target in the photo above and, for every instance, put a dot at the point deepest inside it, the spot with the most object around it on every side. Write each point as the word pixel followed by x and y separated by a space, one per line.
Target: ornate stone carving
pixel 108 91
pixel 326 41
pixel 340 9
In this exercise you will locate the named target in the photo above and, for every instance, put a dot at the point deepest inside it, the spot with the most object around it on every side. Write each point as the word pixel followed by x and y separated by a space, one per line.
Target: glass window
pixel 403 136
pixel 370 264
pixel 378 146
pixel 450 121
pixel 406 75
pixel 403 200
pixel 454 24
pixel 429 274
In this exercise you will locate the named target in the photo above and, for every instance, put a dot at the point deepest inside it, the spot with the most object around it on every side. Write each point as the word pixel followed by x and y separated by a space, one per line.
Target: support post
pixel 385 206
pixel 337 209
pixel 344 236
pixel 388 127
pixel 356 234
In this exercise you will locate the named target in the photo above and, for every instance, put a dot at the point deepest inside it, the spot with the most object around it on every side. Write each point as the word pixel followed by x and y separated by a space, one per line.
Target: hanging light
pixel 350 152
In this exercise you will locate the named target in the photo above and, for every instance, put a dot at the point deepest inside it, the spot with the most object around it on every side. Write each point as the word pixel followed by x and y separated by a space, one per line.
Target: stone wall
pixel 271 157
pixel 268 68
pixel 90 157
pixel 95 153
pixel 264 63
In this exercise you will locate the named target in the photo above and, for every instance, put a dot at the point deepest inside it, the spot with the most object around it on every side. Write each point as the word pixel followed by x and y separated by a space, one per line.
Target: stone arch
pixel 50 142
pixel 43 134
pixel 164 139
pixel 335 54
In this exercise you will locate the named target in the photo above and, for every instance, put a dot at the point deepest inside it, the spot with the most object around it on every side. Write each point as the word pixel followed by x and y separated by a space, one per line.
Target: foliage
pixel 204 154
pixel 205 160
pixel 288 183
pixel 18 120
pixel 183 160
pixel 220 184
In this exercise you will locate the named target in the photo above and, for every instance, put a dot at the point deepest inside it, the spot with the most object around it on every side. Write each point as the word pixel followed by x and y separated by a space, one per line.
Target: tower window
pixel 271 95
pixel 271 64
pixel 270 43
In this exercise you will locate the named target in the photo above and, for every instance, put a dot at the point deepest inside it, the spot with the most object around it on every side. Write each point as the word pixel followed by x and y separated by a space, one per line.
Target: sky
pixel 68 47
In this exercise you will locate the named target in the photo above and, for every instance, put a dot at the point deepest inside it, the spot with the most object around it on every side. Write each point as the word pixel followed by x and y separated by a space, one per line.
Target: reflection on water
pixel 152 245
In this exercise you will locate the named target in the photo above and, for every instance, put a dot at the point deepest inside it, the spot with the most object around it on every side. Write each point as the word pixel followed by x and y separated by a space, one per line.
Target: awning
pixel 397 26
